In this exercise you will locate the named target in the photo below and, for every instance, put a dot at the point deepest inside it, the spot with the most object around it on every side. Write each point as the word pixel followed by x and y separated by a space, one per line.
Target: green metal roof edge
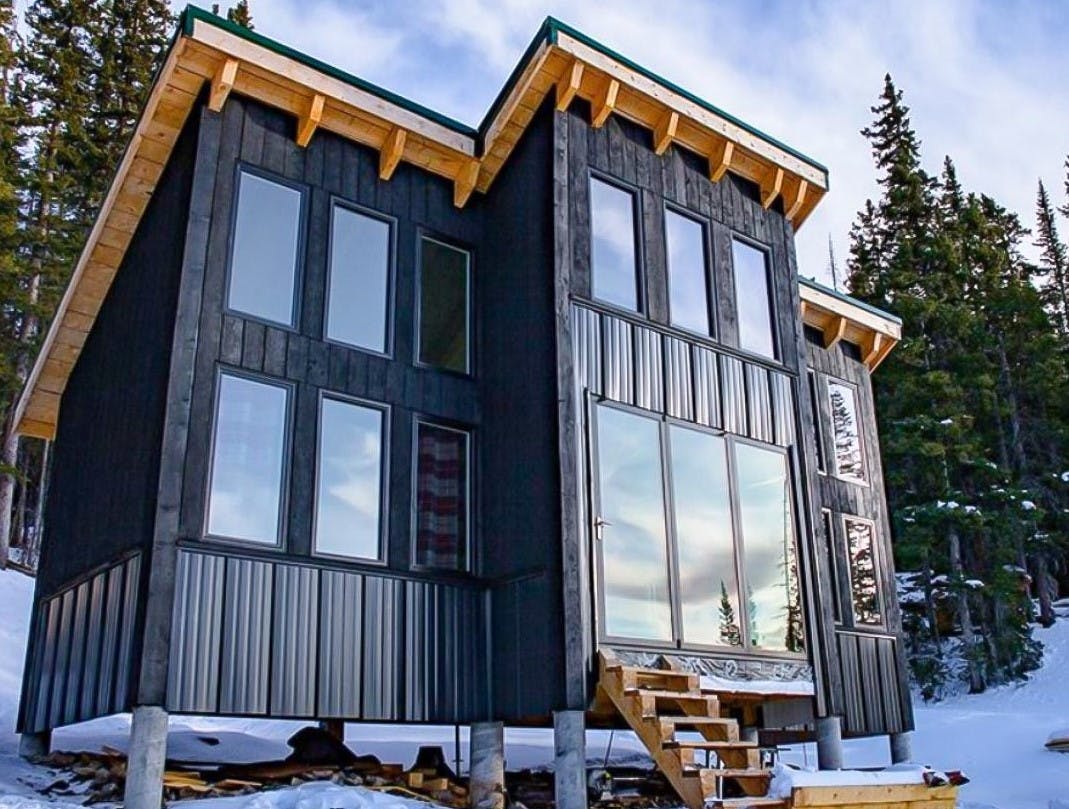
pixel 868 307
pixel 193 13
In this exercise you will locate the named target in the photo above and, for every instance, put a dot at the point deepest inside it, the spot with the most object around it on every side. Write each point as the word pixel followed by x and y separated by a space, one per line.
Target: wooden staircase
pixel 657 703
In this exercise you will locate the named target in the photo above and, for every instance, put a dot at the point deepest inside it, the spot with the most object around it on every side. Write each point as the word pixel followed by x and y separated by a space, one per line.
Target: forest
pixel 973 406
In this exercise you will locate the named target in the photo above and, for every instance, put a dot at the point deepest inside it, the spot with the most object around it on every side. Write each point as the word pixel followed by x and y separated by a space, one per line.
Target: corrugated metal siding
pixel 649 370
pixel 706 388
pixel 341 644
pixel 783 408
pixel 678 383
pixel 733 394
pixel 759 404
pixel 869 675
pixel 588 349
pixel 618 360
pixel 82 659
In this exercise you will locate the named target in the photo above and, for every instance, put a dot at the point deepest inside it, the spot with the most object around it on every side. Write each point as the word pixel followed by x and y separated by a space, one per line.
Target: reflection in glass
pixel 864 590
pixel 441 497
pixel 753 299
pixel 247 457
pixel 612 247
pixel 348 501
pixel 263 267
pixel 634 544
pixel 709 591
pixel 688 296
pixel 443 306
pixel 359 279
pixel 833 565
pixel 818 433
pixel 773 601
pixel 849 462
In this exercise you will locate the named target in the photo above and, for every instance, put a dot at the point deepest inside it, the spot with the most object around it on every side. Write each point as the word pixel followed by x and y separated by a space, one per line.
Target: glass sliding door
pixel 631 527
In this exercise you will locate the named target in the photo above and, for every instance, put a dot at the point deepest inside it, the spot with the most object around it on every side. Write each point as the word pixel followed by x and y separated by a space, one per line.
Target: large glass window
pixel 631 523
pixel 613 256
pixel 263 262
pixel 443 306
pixel 442 486
pixel 701 496
pixel 358 298
pixel 753 299
pixel 864 586
pixel 849 458
pixel 248 453
pixel 773 602
pixel 688 288
pixel 349 480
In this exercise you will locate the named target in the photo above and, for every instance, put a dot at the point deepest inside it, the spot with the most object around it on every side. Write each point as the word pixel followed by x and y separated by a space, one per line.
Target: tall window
pixel 753 299
pixel 358 298
pixel 349 480
pixel 442 497
pixel 688 288
pixel 833 564
pixel 264 251
pixel 864 586
pixel 849 458
pixel 613 255
pixel 818 433
pixel 248 452
pixel 443 306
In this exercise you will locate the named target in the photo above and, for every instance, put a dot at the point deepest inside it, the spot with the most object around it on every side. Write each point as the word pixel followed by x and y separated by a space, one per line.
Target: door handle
pixel 599 526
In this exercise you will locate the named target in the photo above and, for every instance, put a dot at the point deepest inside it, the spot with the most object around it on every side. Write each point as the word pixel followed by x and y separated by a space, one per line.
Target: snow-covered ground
pixel 997 738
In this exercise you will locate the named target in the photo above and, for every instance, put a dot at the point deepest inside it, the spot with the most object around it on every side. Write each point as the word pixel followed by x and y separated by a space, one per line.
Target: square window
pixel 358 295
pixel 444 285
pixel 753 299
pixel 613 254
pixel 442 483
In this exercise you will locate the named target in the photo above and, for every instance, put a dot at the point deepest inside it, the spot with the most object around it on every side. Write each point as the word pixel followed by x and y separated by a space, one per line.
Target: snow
pixel 801 687
pixel 996 738
pixel 785 779
pixel 1028 505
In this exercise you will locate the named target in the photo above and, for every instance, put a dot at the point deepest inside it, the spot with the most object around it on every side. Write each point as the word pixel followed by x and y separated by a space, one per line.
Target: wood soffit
pixel 838 317
pixel 229 59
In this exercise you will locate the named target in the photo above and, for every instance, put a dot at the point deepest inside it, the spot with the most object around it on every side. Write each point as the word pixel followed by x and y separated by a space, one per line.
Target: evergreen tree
pixel 730 634
pixel 239 14
pixel 1054 261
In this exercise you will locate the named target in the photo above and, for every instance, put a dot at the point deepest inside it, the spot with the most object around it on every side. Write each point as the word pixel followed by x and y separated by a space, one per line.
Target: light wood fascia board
pixel 816 299
pixel 37 410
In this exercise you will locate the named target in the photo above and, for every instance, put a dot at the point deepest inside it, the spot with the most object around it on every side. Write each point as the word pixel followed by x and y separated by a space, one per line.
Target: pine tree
pixel 1054 261
pixel 238 14
pixel 730 634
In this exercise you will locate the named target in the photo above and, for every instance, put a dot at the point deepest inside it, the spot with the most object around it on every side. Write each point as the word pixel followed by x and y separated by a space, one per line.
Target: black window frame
pixel 391 276
pixel 469 569
pixel 712 326
pixel 813 383
pixel 638 240
pixel 877 575
pixel 773 309
pixel 300 259
pixel 423 235
pixel 865 482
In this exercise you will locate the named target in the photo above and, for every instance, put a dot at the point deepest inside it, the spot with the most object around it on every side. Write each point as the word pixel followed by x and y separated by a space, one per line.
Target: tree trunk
pixel 968 635
pixel 1045 589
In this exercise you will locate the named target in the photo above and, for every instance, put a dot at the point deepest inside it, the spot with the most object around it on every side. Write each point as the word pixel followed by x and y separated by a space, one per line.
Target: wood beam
pixel 871 348
pixel 771 187
pixel 464 182
pixel 799 200
pixel 222 84
pixel 568 85
pixel 604 103
pixel 834 331
pixel 310 120
pixel 665 132
pixel 391 151
pixel 720 160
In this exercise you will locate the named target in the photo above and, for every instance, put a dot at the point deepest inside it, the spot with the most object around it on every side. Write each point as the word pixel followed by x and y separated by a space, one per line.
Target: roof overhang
pixel 840 317
pixel 229 58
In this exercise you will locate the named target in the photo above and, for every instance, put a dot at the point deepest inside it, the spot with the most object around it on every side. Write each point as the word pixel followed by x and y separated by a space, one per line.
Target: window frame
pixel 712 326
pixel 391 276
pixel 827 527
pixel 385 409
pixel 423 235
pixel 469 569
pixel 866 482
pixel 286 476
pixel 638 240
pixel 773 309
pixel 877 574
pixel 300 249
pixel 813 383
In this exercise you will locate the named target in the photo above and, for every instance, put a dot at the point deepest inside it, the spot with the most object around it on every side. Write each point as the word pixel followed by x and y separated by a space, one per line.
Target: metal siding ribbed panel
pixel 649 370
pixel 870 684
pixel 759 403
pixel 706 388
pixel 48 620
pixel 618 359
pixel 783 408
pixel 587 348
pixel 109 644
pixel 421 646
pixel 383 647
pixel 340 644
pixel 60 669
pixel 679 383
pixel 193 673
pixel 732 395
pixel 76 661
pixel 855 711
pixel 294 632
pixel 892 707
pixel 125 653
pixel 93 650
pixel 246 641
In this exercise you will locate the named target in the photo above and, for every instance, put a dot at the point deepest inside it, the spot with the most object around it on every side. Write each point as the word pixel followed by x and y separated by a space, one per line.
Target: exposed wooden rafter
pixel 720 160
pixel 464 182
pixel 665 132
pixel 834 331
pixel 771 186
pixel 222 83
pixel 569 85
pixel 839 318
pixel 308 122
pixel 798 201
pixel 390 153
pixel 604 102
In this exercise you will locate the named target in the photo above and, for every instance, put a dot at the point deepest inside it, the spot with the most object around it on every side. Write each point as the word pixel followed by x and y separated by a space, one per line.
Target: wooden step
pixel 696 721
pixel 746 803
pixel 676 744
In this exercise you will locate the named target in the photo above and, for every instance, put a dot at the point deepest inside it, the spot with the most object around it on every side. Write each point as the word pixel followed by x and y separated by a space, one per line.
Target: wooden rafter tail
pixel 604 103
pixel 464 182
pixel 310 120
pixel 834 331
pixel 885 349
pixel 812 199
pixel 720 160
pixel 665 132
pixel 799 200
pixel 568 85
pixel 871 348
pixel 222 83
pixel 393 148
pixel 771 187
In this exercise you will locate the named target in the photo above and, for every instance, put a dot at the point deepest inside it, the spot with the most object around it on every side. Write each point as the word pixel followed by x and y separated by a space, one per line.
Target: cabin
pixel 364 414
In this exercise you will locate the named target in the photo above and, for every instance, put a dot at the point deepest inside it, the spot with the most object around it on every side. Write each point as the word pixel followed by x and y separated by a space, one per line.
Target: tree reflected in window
pixel 849 459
